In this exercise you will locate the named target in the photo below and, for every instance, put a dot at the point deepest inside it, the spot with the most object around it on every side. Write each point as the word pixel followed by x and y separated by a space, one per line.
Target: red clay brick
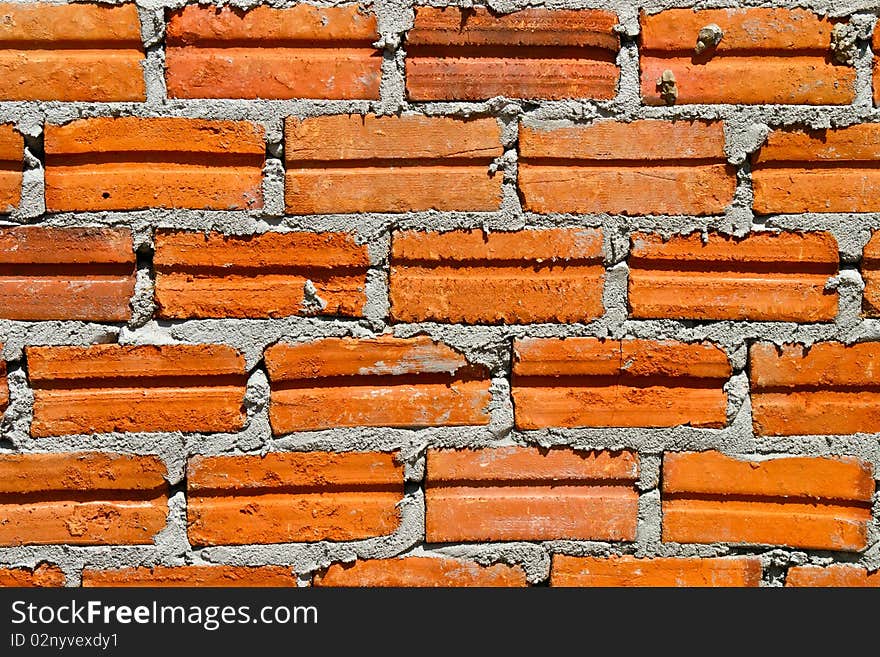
pixel 836 575
pixel 643 167
pixel 86 498
pixel 802 502
pixel 588 382
pixel 472 277
pixel 763 276
pixel 111 387
pixel 420 572
pixel 297 52
pixel 628 571
pixel 351 163
pixel 192 576
pixel 292 497
pixel 525 494
pixel 384 382
pixel 66 273
pixel 766 56
pixel 828 388
pixel 44 575
pixel 4 385
pixel 473 54
pixel 214 275
pixel 11 166
pixel 131 163
pixel 71 52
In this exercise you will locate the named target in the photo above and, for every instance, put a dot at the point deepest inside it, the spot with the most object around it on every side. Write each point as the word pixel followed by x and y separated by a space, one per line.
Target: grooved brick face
pixel 11 165
pixel 639 168
pixel 473 277
pixel 130 163
pixel 420 572
pixel 473 54
pixel 200 576
pixel 834 575
pixel 351 163
pixel 871 275
pixel 588 382
pixel 630 571
pixel 297 52
pixel 801 502
pixel 765 56
pixel 44 575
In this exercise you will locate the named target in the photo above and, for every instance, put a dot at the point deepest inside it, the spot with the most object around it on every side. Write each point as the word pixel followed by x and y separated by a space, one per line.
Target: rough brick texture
pixel 871 276
pixel 11 151
pixel 420 572
pixel 836 575
pixel 629 571
pixel 191 576
pixel 44 575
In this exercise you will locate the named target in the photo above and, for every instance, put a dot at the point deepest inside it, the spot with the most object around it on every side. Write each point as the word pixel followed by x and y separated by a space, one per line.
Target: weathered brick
pixel 71 52
pixel 420 572
pixel 473 54
pixel 131 163
pixel 297 52
pixel 4 386
pixel 836 575
pixel 292 497
pixel 266 275
pixel 801 502
pixel 643 167
pixel 385 382
pixel 763 276
pixel 44 575
pixel 85 498
pixel 66 273
pixel 11 166
pixel 630 571
pixel 591 382
pixel 200 576
pixel 472 277
pixel 525 494
pixel 110 387
pixel 351 163
pixel 871 276
pixel 827 388
pixel 765 56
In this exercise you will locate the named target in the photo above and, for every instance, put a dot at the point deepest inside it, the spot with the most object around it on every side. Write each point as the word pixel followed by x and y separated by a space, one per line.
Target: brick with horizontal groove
pixel 625 571
pixel 420 572
pixel 11 167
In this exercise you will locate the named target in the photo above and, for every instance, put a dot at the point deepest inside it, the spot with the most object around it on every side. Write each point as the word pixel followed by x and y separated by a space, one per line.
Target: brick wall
pixel 394 295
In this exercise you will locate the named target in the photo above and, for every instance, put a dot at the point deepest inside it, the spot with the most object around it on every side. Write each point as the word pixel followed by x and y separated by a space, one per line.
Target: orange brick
pixel 588 382
pixel 292 497
pixel 836 575
pixel 629 571
pixel 871 276
pixel 66 273
pixel 131 163
pixel 71 52
pixel 474 277
pixel 763 276
pixel 802 502
pixel 828 388
pixel 110 387
pixel 213 275
pixel 420 572
pixel 86 498
pixel 11 166
pixel 191 576
pixel 831 170
pixel 473 54
pixel 298 52
pixel 351 163
pixel 525 494
pixel 384 382
pixel 643 167
pixel 44 575
pixel 4 386
pixel 766 56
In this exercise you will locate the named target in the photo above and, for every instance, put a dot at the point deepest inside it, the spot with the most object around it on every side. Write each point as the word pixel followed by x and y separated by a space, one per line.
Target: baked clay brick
pixel 420 572
pixel 266 275
pixel 629 571
pixel 86 498
pixel 835 575
pixel 763 276
pixel 132 163
pixel 381 382
pixel 72 52
pixel 473 54
pixel 473 277
pixel 297 52
pixel 351 163
pixel 800 502
pixel 11 166
pixel 831 170
pixel 827 388
pixel 66 273
pixel 765 56
pixel 592 382
pixel 527 494
pixel 639 168
pixel 292 497
pixel 108 387
pixel 4 385
pixel 44 575
pixel 871 276
pixel 191 576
